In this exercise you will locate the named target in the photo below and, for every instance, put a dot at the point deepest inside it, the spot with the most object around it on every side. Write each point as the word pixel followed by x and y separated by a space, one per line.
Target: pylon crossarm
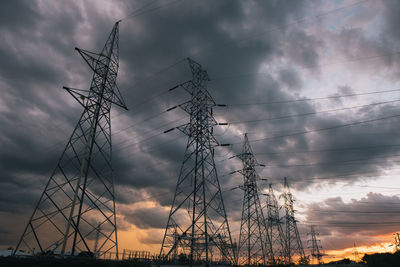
pixel 117 98
pixel 81 98
pixel 187 86
pixel 93 60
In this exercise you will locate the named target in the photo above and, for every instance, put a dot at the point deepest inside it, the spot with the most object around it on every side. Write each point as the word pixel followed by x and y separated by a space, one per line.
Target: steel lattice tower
pixel 293 242
pixel 274 230
pixel 254 245
pixel 78 201
pixel 197 224
pixel 315 245
pixel 397 241
pixel 355 253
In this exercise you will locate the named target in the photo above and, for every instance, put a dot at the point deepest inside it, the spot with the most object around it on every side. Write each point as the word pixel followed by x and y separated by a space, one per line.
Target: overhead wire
pixel 313 99
pixel 322 129
pixel 298 69
pixel 140 122
pixel 329 149
pixel 312 113
pixel 391 212
pixel 153 96
pixel 344 162
pixel 201 51
pixel 360 175
pixel 143 10
pixel 152 131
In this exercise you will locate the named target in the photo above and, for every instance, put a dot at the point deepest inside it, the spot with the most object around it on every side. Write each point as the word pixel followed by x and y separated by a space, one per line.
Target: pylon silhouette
pixel 254 244
pixel 294 246
pixel 315 246
pixel 197 225
pixel 274 230
pixel 78 201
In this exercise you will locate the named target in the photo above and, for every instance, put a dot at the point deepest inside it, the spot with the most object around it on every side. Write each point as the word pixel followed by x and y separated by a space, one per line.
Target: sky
pixel 313 83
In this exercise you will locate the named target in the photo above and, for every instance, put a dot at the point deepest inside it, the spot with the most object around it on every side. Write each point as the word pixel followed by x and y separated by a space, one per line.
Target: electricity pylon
pixel 96 242
pixel 293 242
pixel 397 241
pixel 197 225
pixel 355 253
pixel 274 230
pixel 79 197
pixel 315 245
pixel 254 245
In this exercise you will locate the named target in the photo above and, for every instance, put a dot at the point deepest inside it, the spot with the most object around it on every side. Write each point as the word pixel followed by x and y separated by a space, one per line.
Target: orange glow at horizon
pixel 383 247
pixel 135 238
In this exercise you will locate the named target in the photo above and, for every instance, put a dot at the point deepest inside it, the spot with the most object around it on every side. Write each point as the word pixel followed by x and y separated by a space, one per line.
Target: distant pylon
pixel 397 241
pixel 96 241
pixel 293 242
pixel 80 191
pixel 197 225
pixel 315 246
pixel 355 253
pixel 274 230
pixel 254 244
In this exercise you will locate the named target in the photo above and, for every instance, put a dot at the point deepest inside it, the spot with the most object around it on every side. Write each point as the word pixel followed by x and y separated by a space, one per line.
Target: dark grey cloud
pixel 146 218
pixel 365 220
pixel 290 78
pixel 392 21
pixel 18 14
pixel 151 238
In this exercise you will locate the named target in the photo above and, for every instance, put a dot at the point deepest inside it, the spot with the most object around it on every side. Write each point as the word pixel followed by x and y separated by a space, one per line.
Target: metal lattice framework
pixel 274 230
pixel 397 241
pixel 254 244
pixel 293 242
pixel 197 225
pixel 355 253
pixel 77 205
pixel 315 246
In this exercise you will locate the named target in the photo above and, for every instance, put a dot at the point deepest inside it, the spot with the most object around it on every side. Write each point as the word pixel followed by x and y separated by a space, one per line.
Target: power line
pixel 142 121
pixel 156 95
pixel 345 162
pixel 354 224
pixel 329 149
pixel 312 113
pixel 357 211
pixel 143 10
pixel 138 10
pixel 281 27
pixel 158 133
pixel 238 75
pixel 339 176
pixel 312 99
pixel 322 129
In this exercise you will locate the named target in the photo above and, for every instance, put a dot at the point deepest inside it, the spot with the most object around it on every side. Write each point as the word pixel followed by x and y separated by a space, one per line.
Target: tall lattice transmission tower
pixel 397 241
pixel 275 230
pixel 356 256
pixel 197 225
pixel 294 246
pixel 254 246
pixel 315 245
pixel 78 201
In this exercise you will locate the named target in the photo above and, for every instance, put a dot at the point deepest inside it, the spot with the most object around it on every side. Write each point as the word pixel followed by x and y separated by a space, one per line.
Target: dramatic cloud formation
pixel 266 59
pixel 366 220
